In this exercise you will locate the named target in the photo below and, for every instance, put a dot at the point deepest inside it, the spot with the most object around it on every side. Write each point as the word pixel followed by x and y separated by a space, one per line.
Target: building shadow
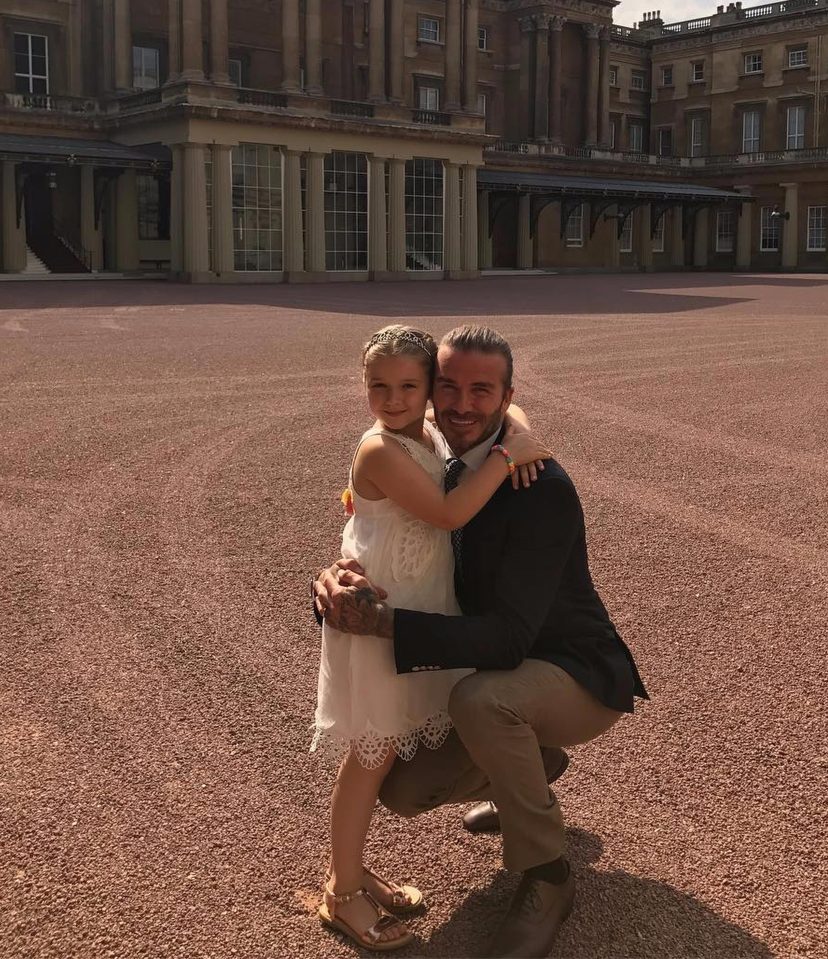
pixel 490 296
pixel 617 916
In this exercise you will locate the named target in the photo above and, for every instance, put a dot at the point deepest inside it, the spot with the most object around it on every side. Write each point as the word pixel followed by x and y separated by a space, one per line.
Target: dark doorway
pixel 504 233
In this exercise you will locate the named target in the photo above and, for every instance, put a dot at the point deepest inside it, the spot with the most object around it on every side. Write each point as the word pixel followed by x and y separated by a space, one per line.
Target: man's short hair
pixel 481 339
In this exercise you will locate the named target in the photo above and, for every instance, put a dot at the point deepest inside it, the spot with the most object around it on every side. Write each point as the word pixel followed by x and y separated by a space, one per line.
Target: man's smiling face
pixel 470 395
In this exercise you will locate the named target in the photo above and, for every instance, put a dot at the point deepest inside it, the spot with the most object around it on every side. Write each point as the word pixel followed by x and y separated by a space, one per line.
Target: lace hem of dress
pixel 372 748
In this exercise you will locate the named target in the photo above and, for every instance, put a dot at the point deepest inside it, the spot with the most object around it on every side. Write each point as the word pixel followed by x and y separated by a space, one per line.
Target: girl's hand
pixel 526 473
pixel 528 453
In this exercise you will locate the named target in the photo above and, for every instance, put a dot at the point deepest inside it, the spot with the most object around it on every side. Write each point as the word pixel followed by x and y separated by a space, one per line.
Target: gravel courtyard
pixel 170 470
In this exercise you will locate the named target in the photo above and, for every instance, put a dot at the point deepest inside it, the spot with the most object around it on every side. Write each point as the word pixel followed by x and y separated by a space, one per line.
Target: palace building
pixel 303 140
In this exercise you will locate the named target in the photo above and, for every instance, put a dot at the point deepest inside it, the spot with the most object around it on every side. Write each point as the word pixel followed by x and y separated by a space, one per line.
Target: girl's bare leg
pixel 354 797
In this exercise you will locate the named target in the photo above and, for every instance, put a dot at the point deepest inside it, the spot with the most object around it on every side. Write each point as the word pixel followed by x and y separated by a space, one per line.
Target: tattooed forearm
pixel 355 611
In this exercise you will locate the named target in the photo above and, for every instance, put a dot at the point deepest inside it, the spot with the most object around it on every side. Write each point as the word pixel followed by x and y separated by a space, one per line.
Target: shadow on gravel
pixel 617 916
pixel 544 295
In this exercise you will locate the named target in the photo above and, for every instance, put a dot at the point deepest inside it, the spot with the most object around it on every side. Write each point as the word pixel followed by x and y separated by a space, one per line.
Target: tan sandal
pixel 404 899
pixel 370 939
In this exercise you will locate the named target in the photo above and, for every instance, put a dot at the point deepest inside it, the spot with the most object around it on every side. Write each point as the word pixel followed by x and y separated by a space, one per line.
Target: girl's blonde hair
pixel 399 340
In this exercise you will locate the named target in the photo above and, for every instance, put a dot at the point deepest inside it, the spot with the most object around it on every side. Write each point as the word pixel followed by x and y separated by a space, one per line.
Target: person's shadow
pixel 616 916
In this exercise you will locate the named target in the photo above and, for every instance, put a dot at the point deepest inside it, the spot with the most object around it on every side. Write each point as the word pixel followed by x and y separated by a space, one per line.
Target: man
pixel 552 670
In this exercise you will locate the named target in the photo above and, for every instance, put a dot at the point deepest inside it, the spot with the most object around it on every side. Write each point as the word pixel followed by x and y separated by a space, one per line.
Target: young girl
pixel 399 533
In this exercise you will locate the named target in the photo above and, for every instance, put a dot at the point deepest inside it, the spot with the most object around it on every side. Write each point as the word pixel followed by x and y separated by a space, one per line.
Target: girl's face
pixel 398 389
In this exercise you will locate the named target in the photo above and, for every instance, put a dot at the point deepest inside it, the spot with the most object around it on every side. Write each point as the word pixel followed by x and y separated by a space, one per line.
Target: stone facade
pixel 294 140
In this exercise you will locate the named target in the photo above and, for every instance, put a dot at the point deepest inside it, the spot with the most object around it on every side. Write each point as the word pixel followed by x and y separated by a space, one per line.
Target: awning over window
pixel 27 149
pixel 585 187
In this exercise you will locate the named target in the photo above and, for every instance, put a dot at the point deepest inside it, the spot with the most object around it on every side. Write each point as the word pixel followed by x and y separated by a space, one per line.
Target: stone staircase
pixel 34 265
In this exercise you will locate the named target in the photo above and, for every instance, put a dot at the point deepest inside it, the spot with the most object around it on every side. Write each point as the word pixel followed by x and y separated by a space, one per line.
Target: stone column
pixel 90 235
pixel 677 238
pixel 126 222
pixel 613 252
pixel 294 251
pixel 484 239
pixel 290 46
pixel 377 219
pixel 192 41
pixel 222 204
pixel 315 213
pixel 397 47
pixel 218 41
pixel 470 227
pixel 177 209
pixel 645 239
pixel 470 59
pixel 700 231
pixel 453 54
pixel 604 89
pixel 525 254
pixel 396 216
pixel 542 76
pixel 195 252
pixel 591 94
pixel 453 248
pixel 313 47
pixel 174 21
pixel 75 38
pixel 790 227
pixel 14 236
pixel 744 232
pixel 526 82
pixel 556 78
pixel 376 50
pixel 123 46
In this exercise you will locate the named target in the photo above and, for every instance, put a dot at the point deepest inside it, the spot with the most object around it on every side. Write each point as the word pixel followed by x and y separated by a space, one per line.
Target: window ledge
pixel 430 43
pixel 799 66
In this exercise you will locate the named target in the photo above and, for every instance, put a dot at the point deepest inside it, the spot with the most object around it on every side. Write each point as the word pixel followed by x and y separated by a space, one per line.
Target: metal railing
pixel 68 235
pixel 352 108
pixel 432 117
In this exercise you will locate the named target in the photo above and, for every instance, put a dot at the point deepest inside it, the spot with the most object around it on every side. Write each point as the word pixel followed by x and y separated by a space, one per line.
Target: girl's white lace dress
pixel 362 701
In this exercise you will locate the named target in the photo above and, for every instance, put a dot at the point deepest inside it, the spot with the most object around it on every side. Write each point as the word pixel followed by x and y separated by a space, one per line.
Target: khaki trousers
pixel 503 720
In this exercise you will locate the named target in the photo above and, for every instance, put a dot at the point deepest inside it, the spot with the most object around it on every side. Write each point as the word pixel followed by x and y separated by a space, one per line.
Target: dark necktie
pixel 454 467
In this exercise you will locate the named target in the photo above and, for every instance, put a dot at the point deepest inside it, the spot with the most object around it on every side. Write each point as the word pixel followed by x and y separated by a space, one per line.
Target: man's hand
pixel 333 581
pixel 360 612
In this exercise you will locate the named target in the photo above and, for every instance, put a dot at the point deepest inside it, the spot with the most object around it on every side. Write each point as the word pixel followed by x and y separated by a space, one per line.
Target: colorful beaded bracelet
pixel 497 448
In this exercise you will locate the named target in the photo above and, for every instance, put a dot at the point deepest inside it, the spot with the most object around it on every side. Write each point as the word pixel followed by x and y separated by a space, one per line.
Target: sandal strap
pixel 398 895
pixel 383 924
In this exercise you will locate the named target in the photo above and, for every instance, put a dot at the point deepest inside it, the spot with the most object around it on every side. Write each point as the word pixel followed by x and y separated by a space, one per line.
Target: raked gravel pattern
pixel 170 468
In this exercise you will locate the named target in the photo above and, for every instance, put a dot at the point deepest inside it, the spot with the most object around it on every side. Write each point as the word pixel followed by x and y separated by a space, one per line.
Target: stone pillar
pixel 484 238
pixel 453 248
pixel 525 254
pixel 700 231
pixel 470 234
pixel 613 257
pixel 591 95
pixel 14 236
pixel 177 209
pixel 677 238
pixel 290 46
pixel 376 50
pixel 453 54
pixel 75 38
pixel 526 81
pixel 313 47
pixel 744 232
pixel 556 69
pixel 470 58
pixel 377 219
pixel 218 41
pixel 174 21
pixel 90 235
pixel 604 89
pixel 542 77
pixel 192 41
pixel 222 204
pixel 790 227
pixel 195 253
pixel 645 239
pixel 123 46
pixel 397 49
pixel 294 252
pixel 396 217
pixel 126 222
pixel 315 213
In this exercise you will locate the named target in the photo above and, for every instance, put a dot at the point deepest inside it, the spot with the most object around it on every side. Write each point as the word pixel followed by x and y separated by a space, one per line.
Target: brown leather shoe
pixel 484 817
pixel 536 913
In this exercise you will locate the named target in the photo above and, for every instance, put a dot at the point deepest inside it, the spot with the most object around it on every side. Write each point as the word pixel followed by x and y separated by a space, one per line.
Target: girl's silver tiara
pixel 389 336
